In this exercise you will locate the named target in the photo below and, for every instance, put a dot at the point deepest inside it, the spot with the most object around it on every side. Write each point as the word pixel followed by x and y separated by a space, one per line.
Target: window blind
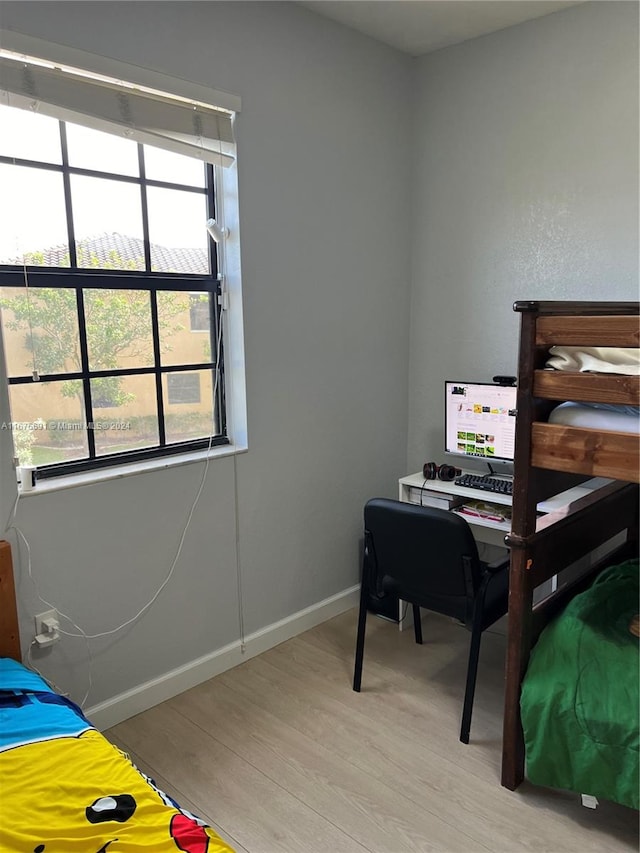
pixel 114 106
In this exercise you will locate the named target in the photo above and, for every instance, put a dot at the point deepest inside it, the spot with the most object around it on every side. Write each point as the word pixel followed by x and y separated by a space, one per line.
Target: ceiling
pixel 421 26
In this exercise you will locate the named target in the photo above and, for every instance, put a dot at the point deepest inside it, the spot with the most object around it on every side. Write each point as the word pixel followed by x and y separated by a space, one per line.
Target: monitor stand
pixel 500 469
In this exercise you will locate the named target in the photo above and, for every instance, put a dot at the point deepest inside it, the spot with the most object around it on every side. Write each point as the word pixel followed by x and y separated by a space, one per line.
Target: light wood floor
pixel 279 754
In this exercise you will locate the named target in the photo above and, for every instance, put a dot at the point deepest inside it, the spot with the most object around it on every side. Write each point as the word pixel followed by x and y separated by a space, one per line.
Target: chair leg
pixel 472 671
pixel 417 624
pixel 362 621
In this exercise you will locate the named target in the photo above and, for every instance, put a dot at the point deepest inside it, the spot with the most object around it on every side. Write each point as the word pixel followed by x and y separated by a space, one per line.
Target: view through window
pixel 108 297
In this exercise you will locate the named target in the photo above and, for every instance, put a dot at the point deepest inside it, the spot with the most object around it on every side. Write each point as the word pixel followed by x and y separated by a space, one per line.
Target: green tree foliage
pixel 118 325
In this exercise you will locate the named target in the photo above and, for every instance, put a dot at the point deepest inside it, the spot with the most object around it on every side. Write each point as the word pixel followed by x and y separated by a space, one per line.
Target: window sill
pixel 118 472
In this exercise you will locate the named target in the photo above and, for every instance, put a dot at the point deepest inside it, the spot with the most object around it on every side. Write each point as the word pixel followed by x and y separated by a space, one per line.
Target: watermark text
pixel 64 426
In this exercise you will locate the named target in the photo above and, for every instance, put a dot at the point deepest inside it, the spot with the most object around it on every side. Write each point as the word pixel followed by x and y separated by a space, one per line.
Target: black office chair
pixel 429 558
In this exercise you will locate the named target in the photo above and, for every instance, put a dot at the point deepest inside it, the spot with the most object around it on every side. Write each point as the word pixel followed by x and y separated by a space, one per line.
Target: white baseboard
pixel 145 696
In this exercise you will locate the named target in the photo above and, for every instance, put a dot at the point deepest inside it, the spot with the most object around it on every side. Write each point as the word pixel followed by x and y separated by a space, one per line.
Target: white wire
pixel 222 254
pixel 35 373
pixel 20 251
pixel 32 666
pixel 238 563
pixel 64 616
pixel 164 582
pixel 185 529
pixel 83 634
pixel 12 514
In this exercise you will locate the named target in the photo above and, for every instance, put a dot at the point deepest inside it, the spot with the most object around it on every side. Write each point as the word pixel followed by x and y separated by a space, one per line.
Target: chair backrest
pixel 429 553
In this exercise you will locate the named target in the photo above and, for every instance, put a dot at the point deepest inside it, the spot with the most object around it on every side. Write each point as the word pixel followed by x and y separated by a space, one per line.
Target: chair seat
pixel 457 607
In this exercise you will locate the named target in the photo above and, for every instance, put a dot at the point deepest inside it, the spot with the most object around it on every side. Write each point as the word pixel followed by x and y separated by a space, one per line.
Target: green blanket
pixel 579 699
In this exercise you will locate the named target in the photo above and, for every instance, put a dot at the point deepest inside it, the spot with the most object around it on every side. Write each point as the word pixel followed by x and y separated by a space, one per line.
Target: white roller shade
pixel 144 115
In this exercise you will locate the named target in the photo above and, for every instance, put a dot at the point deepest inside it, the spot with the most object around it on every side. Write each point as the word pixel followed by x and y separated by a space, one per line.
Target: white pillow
pixel 598 359
pixel 620 419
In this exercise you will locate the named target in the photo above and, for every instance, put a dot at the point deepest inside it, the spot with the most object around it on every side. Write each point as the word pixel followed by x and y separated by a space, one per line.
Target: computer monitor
pixel 480 420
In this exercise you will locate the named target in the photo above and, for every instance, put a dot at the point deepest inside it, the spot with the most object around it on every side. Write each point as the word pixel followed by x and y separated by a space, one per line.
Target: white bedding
pixel 597 416
pixel 596 359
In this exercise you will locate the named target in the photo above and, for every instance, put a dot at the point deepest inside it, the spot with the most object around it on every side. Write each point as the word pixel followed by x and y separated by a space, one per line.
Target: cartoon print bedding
pixel 65 789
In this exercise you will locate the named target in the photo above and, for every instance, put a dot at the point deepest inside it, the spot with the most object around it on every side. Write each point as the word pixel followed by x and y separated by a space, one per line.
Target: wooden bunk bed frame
pixel 553 457
pixel 9 631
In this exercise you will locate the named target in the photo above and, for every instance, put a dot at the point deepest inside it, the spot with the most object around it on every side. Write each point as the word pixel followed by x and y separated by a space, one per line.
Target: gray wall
pixel 523 184
pixel 326 314
pixel 526 187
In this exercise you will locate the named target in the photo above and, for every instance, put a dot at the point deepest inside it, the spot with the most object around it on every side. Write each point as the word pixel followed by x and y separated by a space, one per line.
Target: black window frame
pixel 81 279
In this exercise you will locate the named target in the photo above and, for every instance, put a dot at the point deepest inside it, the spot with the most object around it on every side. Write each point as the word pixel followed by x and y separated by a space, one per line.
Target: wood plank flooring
pixel 279 755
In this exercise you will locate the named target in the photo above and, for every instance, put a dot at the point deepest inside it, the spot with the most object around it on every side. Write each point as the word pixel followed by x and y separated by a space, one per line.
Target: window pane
pixel 200 312
pixel 161 165
pixel 177 314
pixel 40 329
pixel 33 221
pixel 105 152
pixel 48 422
pixel 188 405
pixel 118 326
pixel 183 388
pixel 29 135
pixel 177 231
pixel 107 220
pixel 126 416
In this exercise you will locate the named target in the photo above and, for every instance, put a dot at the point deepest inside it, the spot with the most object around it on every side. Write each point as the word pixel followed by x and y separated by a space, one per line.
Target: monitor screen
pixel 480 420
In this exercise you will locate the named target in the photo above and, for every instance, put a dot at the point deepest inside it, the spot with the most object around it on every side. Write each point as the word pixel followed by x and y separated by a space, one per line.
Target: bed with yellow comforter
pixel 65 789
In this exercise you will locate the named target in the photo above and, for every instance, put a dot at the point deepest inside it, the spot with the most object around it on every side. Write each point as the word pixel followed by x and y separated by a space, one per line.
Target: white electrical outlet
pixel 47 628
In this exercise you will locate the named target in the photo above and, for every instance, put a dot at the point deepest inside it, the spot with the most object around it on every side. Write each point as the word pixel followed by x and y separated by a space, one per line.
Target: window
pixel 199 319
pixel 105 270
pixel 183 388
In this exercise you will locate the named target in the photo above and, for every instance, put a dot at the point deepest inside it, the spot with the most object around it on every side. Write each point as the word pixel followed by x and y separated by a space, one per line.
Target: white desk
pixel 493 532
pixel 486 531
pixel 489 532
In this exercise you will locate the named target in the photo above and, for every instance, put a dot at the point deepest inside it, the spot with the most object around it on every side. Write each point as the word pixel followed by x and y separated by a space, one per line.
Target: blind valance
pixel 147 116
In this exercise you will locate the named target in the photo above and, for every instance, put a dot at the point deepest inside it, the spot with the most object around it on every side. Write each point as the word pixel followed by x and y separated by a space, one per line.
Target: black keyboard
pixel 486 483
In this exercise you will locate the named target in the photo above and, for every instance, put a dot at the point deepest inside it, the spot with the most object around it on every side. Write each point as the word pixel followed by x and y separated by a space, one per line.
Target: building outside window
pixel 199 319
pixel 183 388
pixel 106 270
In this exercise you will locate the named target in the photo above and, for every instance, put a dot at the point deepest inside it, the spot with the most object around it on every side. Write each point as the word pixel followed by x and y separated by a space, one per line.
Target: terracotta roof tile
pixel 118 251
